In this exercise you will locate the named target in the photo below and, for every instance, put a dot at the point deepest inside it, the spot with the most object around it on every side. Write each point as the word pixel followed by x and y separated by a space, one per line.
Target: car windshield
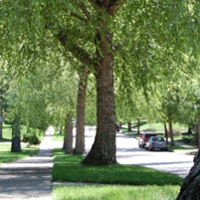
pixel 160 139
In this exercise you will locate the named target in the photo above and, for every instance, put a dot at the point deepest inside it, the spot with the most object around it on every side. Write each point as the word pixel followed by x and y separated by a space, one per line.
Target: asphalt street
pixel 128 152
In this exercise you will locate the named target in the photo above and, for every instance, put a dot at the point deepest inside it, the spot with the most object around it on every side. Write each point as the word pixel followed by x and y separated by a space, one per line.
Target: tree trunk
pixel 171 130
pixel 199 132
pixel 138 125
pixel 190 190
pixel 103 151
pixel 166 132
pixel 68 143
pixel 16 139
pixel 1 130
pixel 1 122
pixel 129 126
pixel 80 112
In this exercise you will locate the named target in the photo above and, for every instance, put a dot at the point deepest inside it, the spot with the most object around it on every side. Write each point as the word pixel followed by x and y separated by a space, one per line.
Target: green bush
pixel 31 136
pixel 31 139
pixel 191 139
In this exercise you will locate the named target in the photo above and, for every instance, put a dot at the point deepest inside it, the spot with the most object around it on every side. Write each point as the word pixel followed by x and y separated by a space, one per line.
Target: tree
pixel 68 138
pixel 85 28
pixel 80 136
pixel 16 134
pixel 190 188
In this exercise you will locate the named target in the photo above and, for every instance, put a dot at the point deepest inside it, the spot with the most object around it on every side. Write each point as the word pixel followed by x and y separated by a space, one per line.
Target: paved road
pixel 128 152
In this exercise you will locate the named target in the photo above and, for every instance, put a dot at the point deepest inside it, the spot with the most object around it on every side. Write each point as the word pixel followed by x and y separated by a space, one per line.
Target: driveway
pixel 128 152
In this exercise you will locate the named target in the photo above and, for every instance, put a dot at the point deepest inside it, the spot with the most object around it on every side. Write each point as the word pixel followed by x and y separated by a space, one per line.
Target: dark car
pixel 143 138
pixel 156 143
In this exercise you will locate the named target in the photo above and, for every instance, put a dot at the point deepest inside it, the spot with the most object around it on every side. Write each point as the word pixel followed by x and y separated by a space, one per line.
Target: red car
pixel 143 138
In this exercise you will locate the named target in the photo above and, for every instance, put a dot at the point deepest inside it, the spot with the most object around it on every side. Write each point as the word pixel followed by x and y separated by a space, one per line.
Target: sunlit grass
pixel 7 156
pixel 154 192
pixel 69 168
pixel 57 137
pixel 126 182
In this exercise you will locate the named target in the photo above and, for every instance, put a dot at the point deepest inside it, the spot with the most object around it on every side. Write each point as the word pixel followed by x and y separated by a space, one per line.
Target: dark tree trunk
pixel 103 151
pixel 171 131
pixel 189 131
pixel 166 132
pixel 1 122
pixel 68 143
pixel 80 112
pixel 190 190
pixel 138 126
pixel 61 130
pixel 16 139
pixel 129 126
pixel 1 130
pixel 198 132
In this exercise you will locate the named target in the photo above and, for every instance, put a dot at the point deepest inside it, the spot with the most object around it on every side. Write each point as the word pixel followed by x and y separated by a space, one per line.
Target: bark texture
pixel 1 115
pixel 190 189
pixel 16 139
pixel 1 130
pixel 68 140
pixel 103 151
pixel 199 132
pixel 80 112
pixel 166 133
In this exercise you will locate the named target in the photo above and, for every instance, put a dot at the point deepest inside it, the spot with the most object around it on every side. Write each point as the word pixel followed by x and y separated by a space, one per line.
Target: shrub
pixel 31 136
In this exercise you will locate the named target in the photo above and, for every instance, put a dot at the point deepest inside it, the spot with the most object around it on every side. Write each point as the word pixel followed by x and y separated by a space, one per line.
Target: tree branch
pixel 84 9
pixel 110 6
pixel 79 17
pixel 77 51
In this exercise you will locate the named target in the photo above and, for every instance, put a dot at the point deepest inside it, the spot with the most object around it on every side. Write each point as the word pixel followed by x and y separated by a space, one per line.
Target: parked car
pixel 143 138
pixel 156 143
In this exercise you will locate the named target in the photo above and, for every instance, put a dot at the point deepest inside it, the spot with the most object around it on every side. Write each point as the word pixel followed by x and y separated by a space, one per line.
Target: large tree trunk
pixel 16 139
pixel 68 139
pixel 1 130
pixel 1 119
pixel 80 112
pixel 103 151
pixel 198 131
pixel 190 189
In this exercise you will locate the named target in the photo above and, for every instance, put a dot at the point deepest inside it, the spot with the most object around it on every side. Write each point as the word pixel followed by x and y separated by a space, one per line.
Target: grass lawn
pixel 116 192
pixel 5 148
pixel 7 156
pixel 57 137
pixel 7 133
pixel 122 181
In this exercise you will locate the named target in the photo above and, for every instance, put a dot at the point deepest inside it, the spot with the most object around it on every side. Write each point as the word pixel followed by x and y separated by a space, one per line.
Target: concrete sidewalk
pixel 29 178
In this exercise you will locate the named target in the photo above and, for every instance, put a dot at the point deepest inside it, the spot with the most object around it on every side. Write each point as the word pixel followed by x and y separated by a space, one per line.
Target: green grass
pixel 68 168
pixel 7 133
pixel 127 182
pixel 167 192
pixel 57 137
pixel 7 156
